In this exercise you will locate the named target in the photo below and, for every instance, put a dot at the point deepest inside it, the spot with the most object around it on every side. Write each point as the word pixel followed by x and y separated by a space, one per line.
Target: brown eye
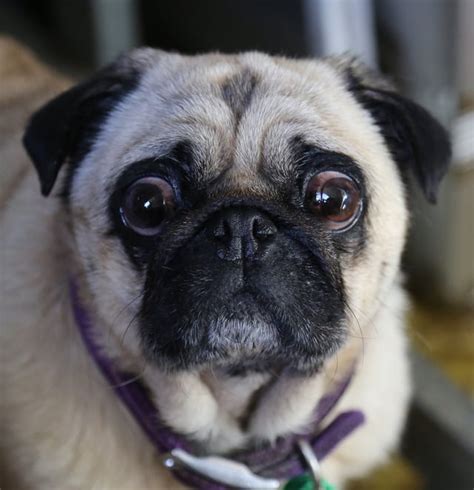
pixel 334 197
pixel 147 202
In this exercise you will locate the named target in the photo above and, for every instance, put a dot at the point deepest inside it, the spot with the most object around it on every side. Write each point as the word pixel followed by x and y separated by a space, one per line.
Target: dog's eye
pixel 147 202
pixel 334 197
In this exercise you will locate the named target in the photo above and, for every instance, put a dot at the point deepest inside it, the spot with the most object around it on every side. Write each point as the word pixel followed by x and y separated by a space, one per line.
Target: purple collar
pixel 281 460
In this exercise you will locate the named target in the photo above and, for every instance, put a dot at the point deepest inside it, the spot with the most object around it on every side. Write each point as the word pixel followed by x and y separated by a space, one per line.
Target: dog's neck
pixel 220 411
pixel 211 407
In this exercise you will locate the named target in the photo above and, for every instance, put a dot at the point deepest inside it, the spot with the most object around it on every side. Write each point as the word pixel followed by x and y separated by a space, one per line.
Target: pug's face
pixel 239 211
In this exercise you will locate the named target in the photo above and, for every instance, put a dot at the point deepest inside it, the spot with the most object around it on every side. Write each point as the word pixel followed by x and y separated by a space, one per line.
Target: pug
pixel 232 226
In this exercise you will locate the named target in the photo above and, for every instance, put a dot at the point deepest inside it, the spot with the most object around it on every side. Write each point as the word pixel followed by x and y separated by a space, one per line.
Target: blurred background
pixel 426 46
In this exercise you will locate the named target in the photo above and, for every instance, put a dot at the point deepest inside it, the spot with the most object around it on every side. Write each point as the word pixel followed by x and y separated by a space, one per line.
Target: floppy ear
pixel 417 142
pixel 65 128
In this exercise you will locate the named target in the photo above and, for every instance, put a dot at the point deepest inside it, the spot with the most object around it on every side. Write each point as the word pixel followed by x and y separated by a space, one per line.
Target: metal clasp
pixel 218 469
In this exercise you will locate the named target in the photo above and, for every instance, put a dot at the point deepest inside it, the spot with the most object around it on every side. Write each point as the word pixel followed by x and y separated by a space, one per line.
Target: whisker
pixel 132 320
pixel 362 336
pixel 128 381
pixel 127 306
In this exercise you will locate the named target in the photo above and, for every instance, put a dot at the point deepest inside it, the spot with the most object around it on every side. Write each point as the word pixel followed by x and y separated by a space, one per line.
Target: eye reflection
pixel 335 198
pixel 146 204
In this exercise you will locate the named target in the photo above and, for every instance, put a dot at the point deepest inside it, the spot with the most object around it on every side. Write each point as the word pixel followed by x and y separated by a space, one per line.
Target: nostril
pixel 241 233
pixel 263 229
pixel 222 231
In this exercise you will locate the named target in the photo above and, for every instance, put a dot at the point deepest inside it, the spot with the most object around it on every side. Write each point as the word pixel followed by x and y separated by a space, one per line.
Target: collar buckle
pixel 219 469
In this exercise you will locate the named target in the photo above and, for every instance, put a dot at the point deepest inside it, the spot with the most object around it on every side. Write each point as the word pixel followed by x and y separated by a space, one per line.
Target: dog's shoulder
pixel 26 85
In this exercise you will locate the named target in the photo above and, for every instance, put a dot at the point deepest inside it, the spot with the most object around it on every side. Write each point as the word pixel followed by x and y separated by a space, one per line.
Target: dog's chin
pixel 242 340
pixel 276 366
pixel 243 335
pixel 238 354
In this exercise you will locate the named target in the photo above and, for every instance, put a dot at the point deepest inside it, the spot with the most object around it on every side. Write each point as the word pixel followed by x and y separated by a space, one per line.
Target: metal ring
pixel 311 461
pixel 219 469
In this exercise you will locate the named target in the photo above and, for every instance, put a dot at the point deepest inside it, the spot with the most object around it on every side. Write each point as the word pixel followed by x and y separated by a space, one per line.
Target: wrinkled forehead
pixel 238 116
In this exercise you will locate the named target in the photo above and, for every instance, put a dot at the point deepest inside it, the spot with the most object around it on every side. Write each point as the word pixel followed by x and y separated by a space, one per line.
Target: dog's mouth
pixel 264 322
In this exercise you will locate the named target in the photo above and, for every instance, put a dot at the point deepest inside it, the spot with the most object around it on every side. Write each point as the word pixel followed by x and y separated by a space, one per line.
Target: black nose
pixel 242 233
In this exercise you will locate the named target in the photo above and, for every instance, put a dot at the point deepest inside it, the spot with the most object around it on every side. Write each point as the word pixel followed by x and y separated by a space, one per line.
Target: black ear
pixel 418 143
pixel 64 129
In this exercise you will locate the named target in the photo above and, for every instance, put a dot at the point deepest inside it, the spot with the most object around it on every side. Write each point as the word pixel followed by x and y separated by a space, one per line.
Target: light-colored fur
pixel 61 425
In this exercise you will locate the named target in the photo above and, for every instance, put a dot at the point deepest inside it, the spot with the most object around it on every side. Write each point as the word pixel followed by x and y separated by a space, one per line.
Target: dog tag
pixel 306 482
pixel 220 469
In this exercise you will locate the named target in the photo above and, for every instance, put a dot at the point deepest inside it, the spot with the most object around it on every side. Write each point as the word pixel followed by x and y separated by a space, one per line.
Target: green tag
pixel 325 485
pixel 300 482
pixel 305 482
